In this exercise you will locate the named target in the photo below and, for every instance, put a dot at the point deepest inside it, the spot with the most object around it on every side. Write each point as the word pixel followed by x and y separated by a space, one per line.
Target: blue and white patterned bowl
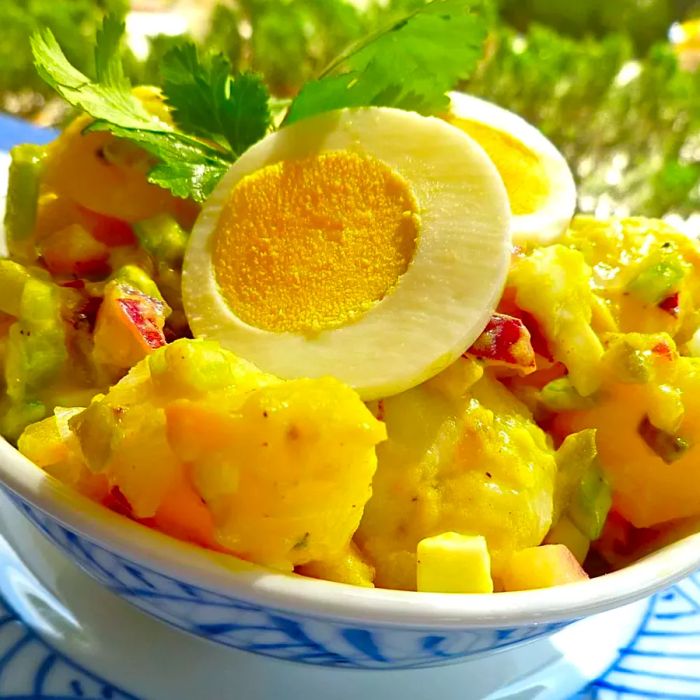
pixel 237 604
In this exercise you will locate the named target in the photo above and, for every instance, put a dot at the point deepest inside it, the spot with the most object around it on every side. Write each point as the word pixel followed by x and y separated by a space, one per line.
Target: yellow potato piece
pixel 284 468
pixel 473 462
pixel 350 566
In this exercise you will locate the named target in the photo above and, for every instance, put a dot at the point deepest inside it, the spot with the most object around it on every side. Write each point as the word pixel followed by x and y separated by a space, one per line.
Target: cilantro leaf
pixel 206 100
pixel 183 164
pixel 113 103
pixel 409 65
pixel 108 66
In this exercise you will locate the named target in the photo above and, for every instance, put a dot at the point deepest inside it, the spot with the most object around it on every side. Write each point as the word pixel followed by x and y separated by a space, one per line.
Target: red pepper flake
pixel 671 305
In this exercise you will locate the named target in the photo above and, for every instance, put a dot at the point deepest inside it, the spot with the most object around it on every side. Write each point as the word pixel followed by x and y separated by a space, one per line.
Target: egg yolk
pixel 312 244
pixel 521 170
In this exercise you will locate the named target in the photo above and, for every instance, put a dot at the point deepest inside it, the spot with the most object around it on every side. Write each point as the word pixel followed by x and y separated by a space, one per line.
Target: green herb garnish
pixel 411 65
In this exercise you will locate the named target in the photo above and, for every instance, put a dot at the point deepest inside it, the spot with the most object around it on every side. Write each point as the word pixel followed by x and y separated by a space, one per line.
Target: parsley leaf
pixel 108 66
pixel 186 167
pixel 409 65
pixel 113 103
pixel 183 164
pixel 206 100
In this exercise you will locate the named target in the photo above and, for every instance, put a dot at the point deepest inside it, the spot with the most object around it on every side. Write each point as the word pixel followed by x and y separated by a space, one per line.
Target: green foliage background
pixel 598 77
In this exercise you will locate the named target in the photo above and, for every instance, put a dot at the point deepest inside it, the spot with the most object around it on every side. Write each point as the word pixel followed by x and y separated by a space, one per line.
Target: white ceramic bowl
pixel 241 605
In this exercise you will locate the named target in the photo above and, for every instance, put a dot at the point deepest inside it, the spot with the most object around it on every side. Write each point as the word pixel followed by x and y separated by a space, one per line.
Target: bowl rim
pixel 227 575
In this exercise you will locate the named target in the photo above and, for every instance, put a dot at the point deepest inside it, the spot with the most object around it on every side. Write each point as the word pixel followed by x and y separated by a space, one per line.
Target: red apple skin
pixel 505 342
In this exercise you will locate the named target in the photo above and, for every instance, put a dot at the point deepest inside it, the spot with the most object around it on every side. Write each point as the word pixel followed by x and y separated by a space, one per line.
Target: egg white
pixel 440 304
pixel 553 217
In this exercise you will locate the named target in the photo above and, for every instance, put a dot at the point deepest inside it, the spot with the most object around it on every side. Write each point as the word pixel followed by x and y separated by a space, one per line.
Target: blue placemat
pixel 14 131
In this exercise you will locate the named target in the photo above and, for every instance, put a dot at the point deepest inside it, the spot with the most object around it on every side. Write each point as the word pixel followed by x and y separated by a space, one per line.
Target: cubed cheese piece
pixel 454 563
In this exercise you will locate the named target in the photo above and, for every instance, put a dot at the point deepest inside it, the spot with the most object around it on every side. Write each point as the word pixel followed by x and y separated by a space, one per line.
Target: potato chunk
pixel 472 463
pixel 283 469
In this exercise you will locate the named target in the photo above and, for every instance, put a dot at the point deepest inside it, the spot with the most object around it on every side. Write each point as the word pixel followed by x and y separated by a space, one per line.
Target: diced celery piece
pixel 591 503
pixel 13 277
pixel 575 458
pixel 163 238
pixel 194 367
pixel 36 347
pixel 16 416
pixel 566 533
pixel 22 194
pixel 657 282
pixel 137 278
pixel 560 395
pixel 666 445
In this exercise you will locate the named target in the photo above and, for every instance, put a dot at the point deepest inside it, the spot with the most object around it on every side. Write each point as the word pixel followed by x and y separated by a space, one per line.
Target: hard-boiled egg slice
pixel 366 244
pixel 539 182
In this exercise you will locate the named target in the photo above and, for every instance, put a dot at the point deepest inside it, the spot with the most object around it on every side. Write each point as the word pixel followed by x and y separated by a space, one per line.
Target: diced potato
pixel 282 469
pixel 348 567
pixel 454 563
pixel 468 461
pixel 72 251
pixel 554 285
pixel 648 487
pixel 541 567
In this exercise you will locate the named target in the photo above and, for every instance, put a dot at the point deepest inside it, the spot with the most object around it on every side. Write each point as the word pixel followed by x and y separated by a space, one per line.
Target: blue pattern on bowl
pixel 661 661
pixel 283 634
pixel 30 669
pixel 663 658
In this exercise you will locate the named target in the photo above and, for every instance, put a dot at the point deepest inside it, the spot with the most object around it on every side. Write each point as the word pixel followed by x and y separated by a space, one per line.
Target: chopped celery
pixel 566 533
pixel 36 347
pixel 666 445
pixel 163 238
pixel 633 358
pixel 139 279
pixel 560 395
pixel 13 277
pixel 657 281
pixel 22 195
pixel 575 458
pixel 15 416
pixel 590 503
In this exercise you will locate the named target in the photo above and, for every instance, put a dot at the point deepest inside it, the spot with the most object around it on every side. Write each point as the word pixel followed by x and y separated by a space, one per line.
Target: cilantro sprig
pixel 411 64
pixel 216 115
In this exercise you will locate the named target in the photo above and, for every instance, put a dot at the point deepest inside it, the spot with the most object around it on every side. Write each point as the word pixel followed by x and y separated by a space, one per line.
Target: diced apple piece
pixel 505 342
pixel 566 533
pixel 541 567
pixel 454 563
pixel 129 326
pixel 73 251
